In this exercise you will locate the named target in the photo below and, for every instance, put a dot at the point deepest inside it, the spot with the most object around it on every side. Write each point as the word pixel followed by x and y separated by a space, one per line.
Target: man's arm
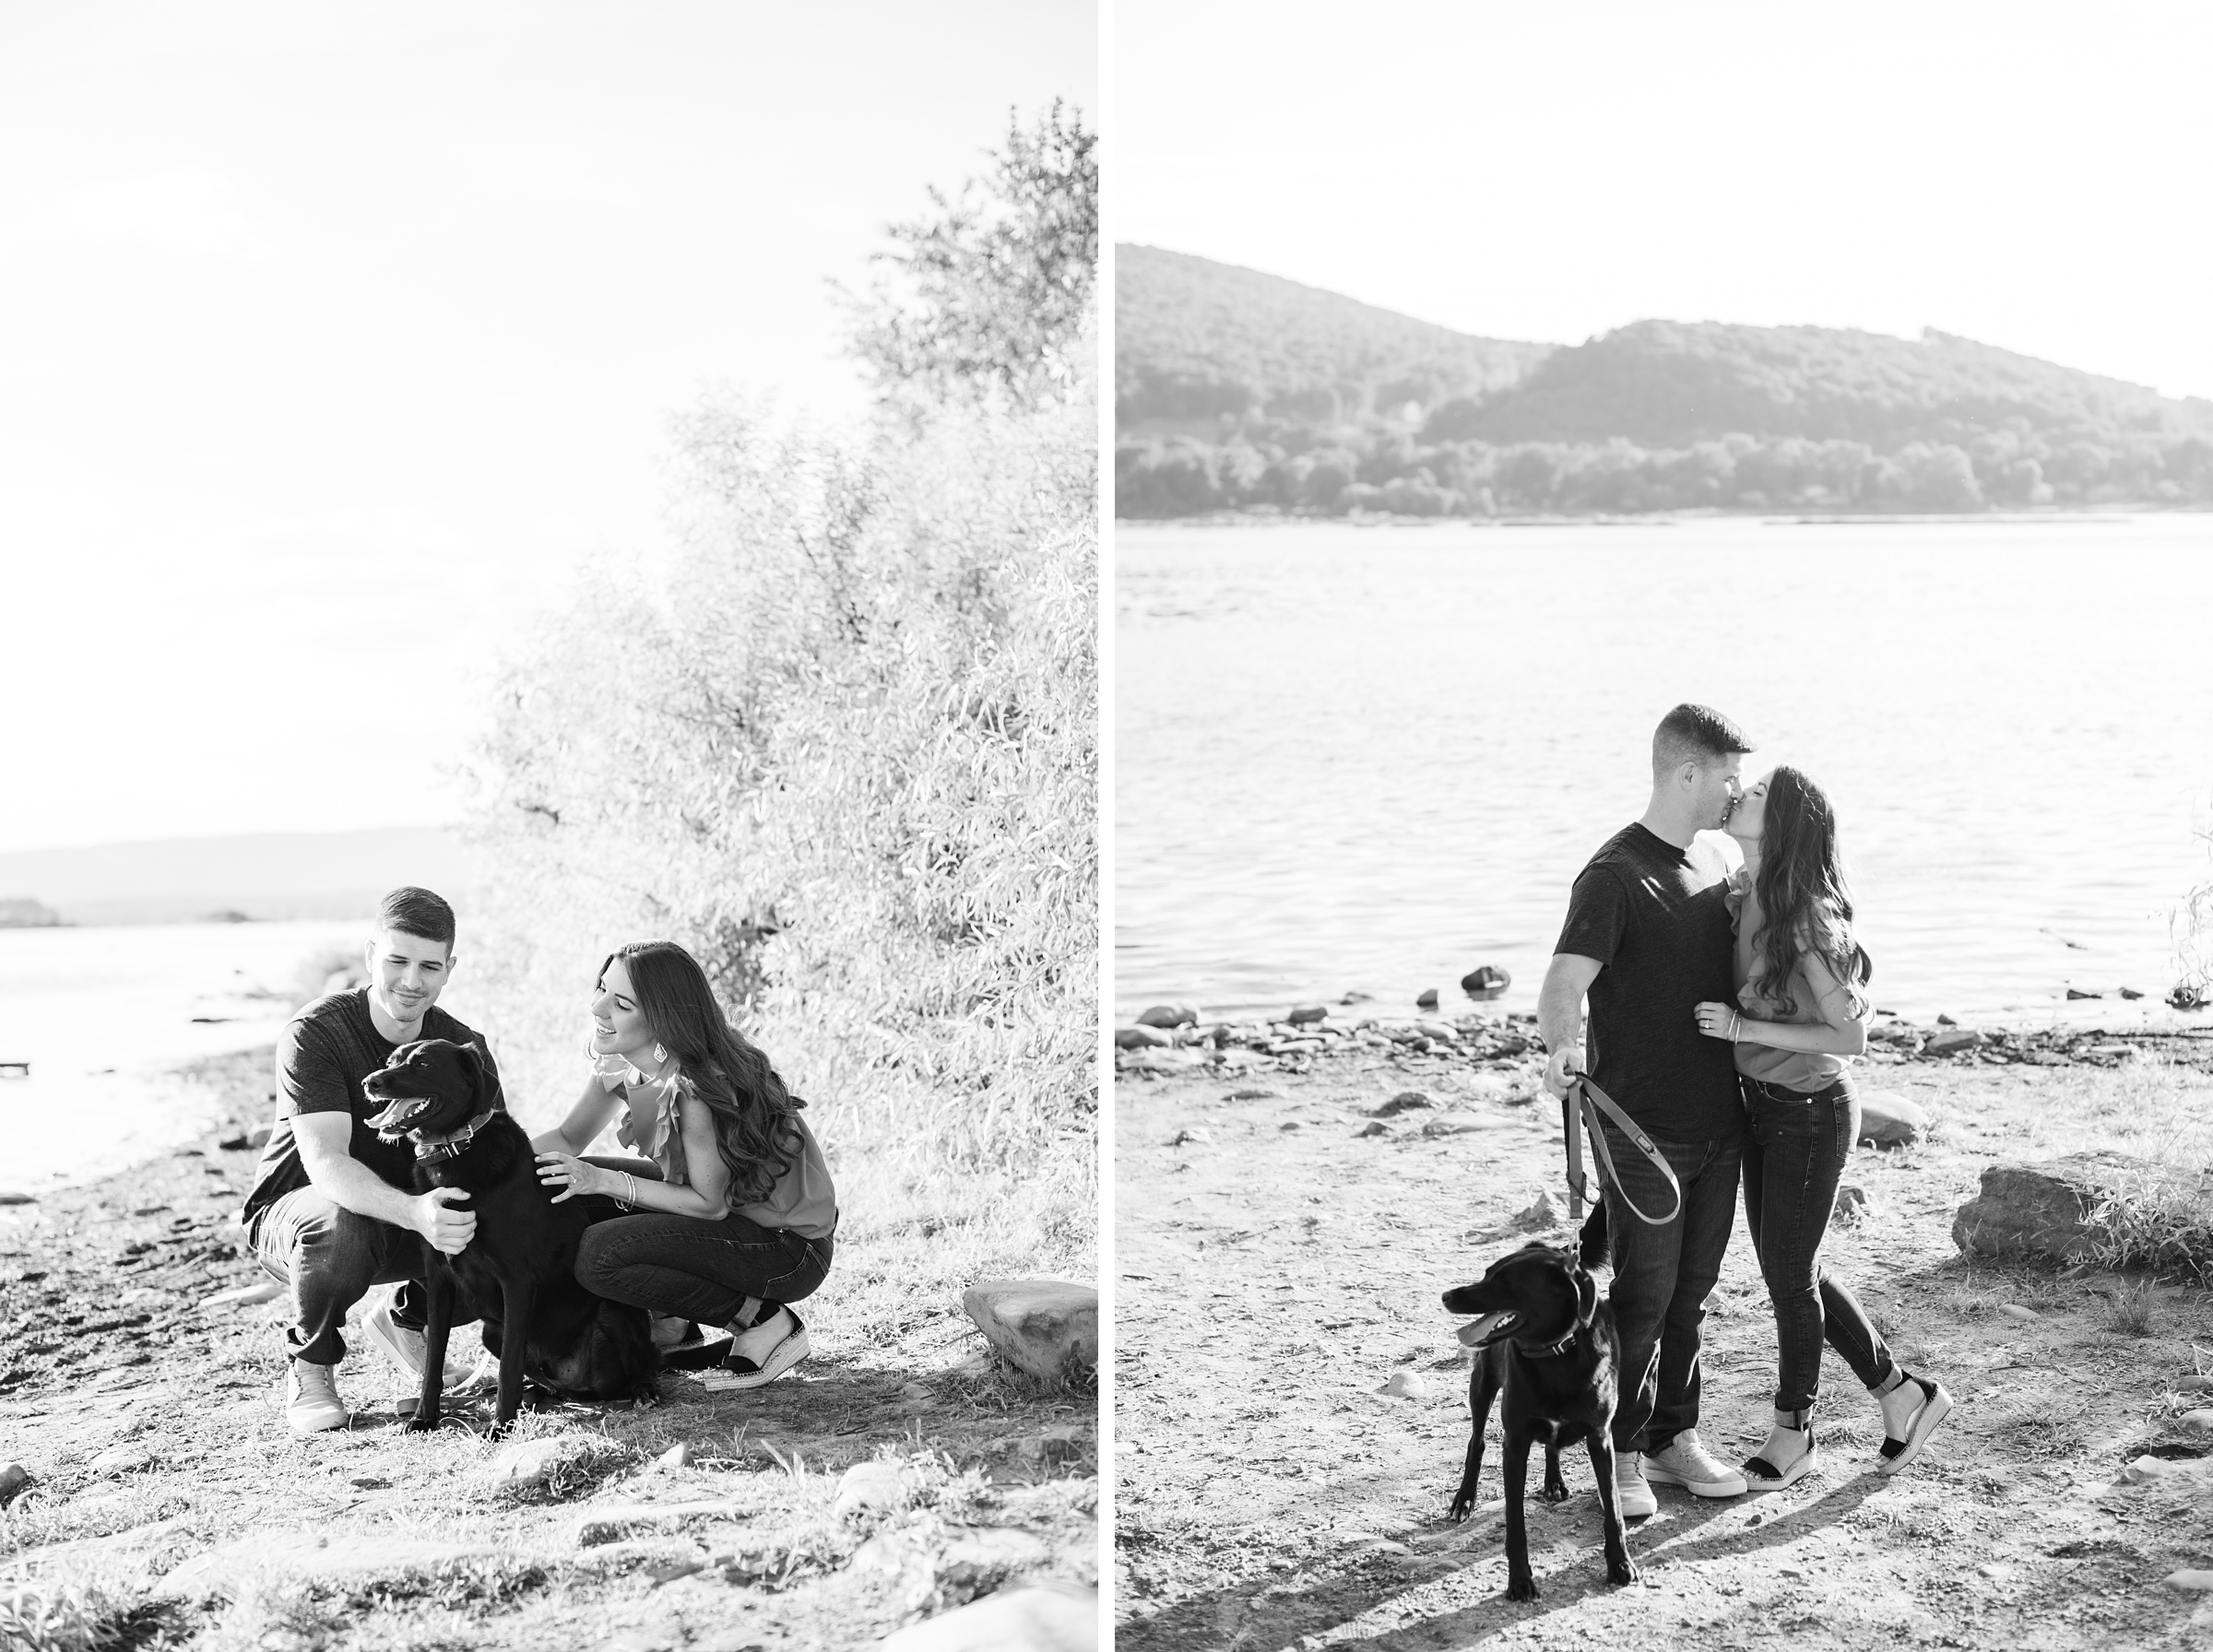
pixel 325 1143
pixel 1560 1016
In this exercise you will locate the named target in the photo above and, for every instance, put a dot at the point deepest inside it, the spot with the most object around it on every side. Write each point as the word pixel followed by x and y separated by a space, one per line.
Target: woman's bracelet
pixel 633 1200
pixel 1736 1025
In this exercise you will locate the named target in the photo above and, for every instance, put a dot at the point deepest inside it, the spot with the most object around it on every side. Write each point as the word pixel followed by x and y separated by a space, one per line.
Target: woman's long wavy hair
pixel 755 1125
pixel 1805 897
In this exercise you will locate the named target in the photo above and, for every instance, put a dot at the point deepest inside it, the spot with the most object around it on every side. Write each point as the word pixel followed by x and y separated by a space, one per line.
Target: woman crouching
pixel 729 1218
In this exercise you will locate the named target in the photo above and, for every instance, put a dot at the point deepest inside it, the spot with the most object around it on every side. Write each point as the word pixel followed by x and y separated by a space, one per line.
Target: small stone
pixel 119 1459
pixel 2201 1419
pixel 2014 1310
pixel 1189 1138
pixel 2148 1468
pixel 2195 1383
pixel 1169 1015
pixel 1263 1094
pixel 1305 1014
pixel 872 1485
pixel 243 1296
pixel 1357 997
pixel 1889 1119
pixel 1998 1570
pixel 1404 1102
pixel 1374 1127
pixel 1946 1020
pixel 2189 1579
pixel 1486 981
pixel 1426 999
pixel 1289 1124
pixel 13 1478
pixel 1543 1214
pixel 2131 994
pixel 1953 1039
pixel 1050 1617
pixel 1406 1384
pixel 677 1457
pixel 1851 1202
pixel 1139 1038
pixel 16 1198
pixel 1049 1327
pixel 525 1463
pixel 2077 992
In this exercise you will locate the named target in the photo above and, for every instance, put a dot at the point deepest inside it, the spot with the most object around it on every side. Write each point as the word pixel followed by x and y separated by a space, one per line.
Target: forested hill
pixel 1238 390
pixel 1664 383
pixel 1197 340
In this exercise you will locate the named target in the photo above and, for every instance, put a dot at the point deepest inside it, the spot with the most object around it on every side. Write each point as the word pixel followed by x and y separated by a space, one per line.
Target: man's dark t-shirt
pixel 1655 917
pixel 325 1051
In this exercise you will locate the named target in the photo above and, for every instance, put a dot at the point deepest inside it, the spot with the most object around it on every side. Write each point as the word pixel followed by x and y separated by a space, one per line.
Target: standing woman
pixel 730 1218
pixel 1799 1019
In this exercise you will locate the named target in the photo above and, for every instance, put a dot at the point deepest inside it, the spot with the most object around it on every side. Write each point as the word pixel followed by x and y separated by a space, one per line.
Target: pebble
pixel 1543 1213
pixel 1374 1127
pixel 119 1459
pixel 2200 1418
pixel 1403 1102
pixel 1139 1038
pixel 867 1486
pixel 1406 1384
pixel 1169 1015
pixel 525 1463
pixel 1303 1013
pixel 1428 999
pixel 677 1457
pixel 2191 1579
pixel 2014 1310
pixel 16 1198
pixel 2195 1383
pixel 13 1478
pixel 1189 1138
pixel 1995 1569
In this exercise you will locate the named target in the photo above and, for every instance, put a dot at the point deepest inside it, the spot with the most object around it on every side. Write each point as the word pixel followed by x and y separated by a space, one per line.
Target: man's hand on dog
pixel 448 1230
pixel 1564 1066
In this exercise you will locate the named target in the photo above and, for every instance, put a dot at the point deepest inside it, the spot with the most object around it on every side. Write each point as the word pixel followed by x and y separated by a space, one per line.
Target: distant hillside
pixel 1663 383
pixel 1197 340
pixel 1241 391
pixel 268 875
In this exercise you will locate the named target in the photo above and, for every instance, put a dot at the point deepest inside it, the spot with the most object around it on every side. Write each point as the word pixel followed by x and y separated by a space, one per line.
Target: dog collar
pixel 1545 1351
pixel 449 1147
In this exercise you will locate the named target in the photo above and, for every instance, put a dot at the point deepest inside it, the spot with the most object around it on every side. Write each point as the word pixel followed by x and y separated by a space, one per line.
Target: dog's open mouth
pixel 1489 1328
pixel 392 1123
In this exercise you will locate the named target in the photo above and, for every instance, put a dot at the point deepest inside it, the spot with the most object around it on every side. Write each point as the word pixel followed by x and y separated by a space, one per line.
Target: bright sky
pixel 337 336
pixel 2029 174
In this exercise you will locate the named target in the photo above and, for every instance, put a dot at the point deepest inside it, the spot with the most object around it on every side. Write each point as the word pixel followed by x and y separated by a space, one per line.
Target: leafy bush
pixel 843 747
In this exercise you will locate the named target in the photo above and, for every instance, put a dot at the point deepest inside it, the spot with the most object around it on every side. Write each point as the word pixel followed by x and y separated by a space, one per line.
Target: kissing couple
pixel 1725 1008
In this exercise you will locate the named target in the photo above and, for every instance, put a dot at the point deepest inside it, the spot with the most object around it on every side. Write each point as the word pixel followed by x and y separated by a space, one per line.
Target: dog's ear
pixel 1586 1296
pixel 472 1063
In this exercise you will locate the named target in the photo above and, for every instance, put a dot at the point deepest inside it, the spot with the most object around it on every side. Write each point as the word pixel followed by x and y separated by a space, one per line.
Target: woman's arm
pixel 1838 1032
pixel 585 1121
pixel 706 1198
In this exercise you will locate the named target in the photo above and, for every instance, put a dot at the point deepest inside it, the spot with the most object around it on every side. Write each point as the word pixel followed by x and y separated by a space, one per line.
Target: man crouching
pixel 331 1211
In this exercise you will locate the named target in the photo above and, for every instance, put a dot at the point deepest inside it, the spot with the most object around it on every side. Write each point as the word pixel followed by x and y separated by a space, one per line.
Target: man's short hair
pixel 416 912
pixel 1695 734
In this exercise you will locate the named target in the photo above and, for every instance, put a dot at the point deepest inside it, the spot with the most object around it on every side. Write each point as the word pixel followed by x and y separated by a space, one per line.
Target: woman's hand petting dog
pixel 573 1176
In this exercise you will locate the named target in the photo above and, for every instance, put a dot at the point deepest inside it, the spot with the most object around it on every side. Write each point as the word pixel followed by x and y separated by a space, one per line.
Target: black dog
pixel 545 1326
pixel 1546 1339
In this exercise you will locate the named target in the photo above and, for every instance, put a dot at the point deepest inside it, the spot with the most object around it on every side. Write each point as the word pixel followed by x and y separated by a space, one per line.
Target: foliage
pixel 1236 391
pixel 843 749
pixel 993 293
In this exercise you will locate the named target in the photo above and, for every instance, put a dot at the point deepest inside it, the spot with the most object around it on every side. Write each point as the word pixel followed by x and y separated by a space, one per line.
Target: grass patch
pixel 69 1616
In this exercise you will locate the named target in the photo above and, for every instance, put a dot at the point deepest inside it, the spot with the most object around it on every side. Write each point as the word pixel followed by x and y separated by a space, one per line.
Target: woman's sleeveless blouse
pixel 1802 1070
pixel 802 1199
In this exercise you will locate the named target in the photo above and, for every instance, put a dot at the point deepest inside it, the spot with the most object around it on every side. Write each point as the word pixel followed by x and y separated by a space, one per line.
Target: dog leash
pixel 1583 1102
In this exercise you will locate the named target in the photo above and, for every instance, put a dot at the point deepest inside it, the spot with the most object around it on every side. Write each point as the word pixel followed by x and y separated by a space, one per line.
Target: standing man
pixel 1647 940
pixel 332 1210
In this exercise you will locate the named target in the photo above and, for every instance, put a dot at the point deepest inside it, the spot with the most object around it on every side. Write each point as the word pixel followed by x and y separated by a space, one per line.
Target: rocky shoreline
pixel 1177 1039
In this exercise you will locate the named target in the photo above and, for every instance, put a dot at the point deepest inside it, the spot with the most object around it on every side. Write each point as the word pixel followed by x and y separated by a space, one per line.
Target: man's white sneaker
pixel 311 1399
pixel 1687 1463
pixel 1631 1495
pixel 408 1348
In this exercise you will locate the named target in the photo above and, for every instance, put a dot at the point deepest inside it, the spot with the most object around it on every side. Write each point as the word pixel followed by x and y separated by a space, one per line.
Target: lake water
pixel 1372 758
pixel 104 1015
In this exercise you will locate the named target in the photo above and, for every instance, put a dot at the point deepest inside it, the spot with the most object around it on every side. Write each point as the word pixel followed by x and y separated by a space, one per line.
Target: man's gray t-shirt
pixel 325 1051
pixel 1656 918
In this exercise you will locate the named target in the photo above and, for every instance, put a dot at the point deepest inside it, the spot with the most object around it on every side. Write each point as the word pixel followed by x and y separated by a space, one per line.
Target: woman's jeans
pixel 1794 1153
pixel 687 1266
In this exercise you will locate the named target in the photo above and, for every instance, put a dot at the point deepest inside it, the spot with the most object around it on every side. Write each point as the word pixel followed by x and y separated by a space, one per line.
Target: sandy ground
pixel 153 1433
pixel 1274 1268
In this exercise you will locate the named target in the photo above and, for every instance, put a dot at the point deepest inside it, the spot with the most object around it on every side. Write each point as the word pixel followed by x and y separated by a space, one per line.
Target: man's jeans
pixel 330 1256
pixel 1661 1278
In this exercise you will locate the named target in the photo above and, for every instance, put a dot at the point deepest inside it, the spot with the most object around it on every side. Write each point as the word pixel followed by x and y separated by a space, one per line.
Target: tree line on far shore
pixel 1301 471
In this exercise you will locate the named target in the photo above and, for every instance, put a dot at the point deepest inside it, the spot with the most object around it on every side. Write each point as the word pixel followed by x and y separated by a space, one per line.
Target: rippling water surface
pixel 1374 758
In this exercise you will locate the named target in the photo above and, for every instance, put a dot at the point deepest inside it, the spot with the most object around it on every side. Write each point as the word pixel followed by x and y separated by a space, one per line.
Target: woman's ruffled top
pixel 1791 1070
pixel 803 1198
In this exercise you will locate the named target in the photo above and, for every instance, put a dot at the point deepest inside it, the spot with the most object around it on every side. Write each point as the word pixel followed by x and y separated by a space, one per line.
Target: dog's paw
pixel 1621 1571
pixel 1555 1492
pixel 1523 1588
pixel 420 1424
pixel 1459 1511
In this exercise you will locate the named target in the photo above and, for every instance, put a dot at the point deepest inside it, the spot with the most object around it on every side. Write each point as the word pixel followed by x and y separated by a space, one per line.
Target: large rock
pixel 1169 1015
pixel 1889 1119
pixel 2041 1211
pixel 1141 1038
pixel 1049 1616
pixel 1486 981
pixel 1048 1327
